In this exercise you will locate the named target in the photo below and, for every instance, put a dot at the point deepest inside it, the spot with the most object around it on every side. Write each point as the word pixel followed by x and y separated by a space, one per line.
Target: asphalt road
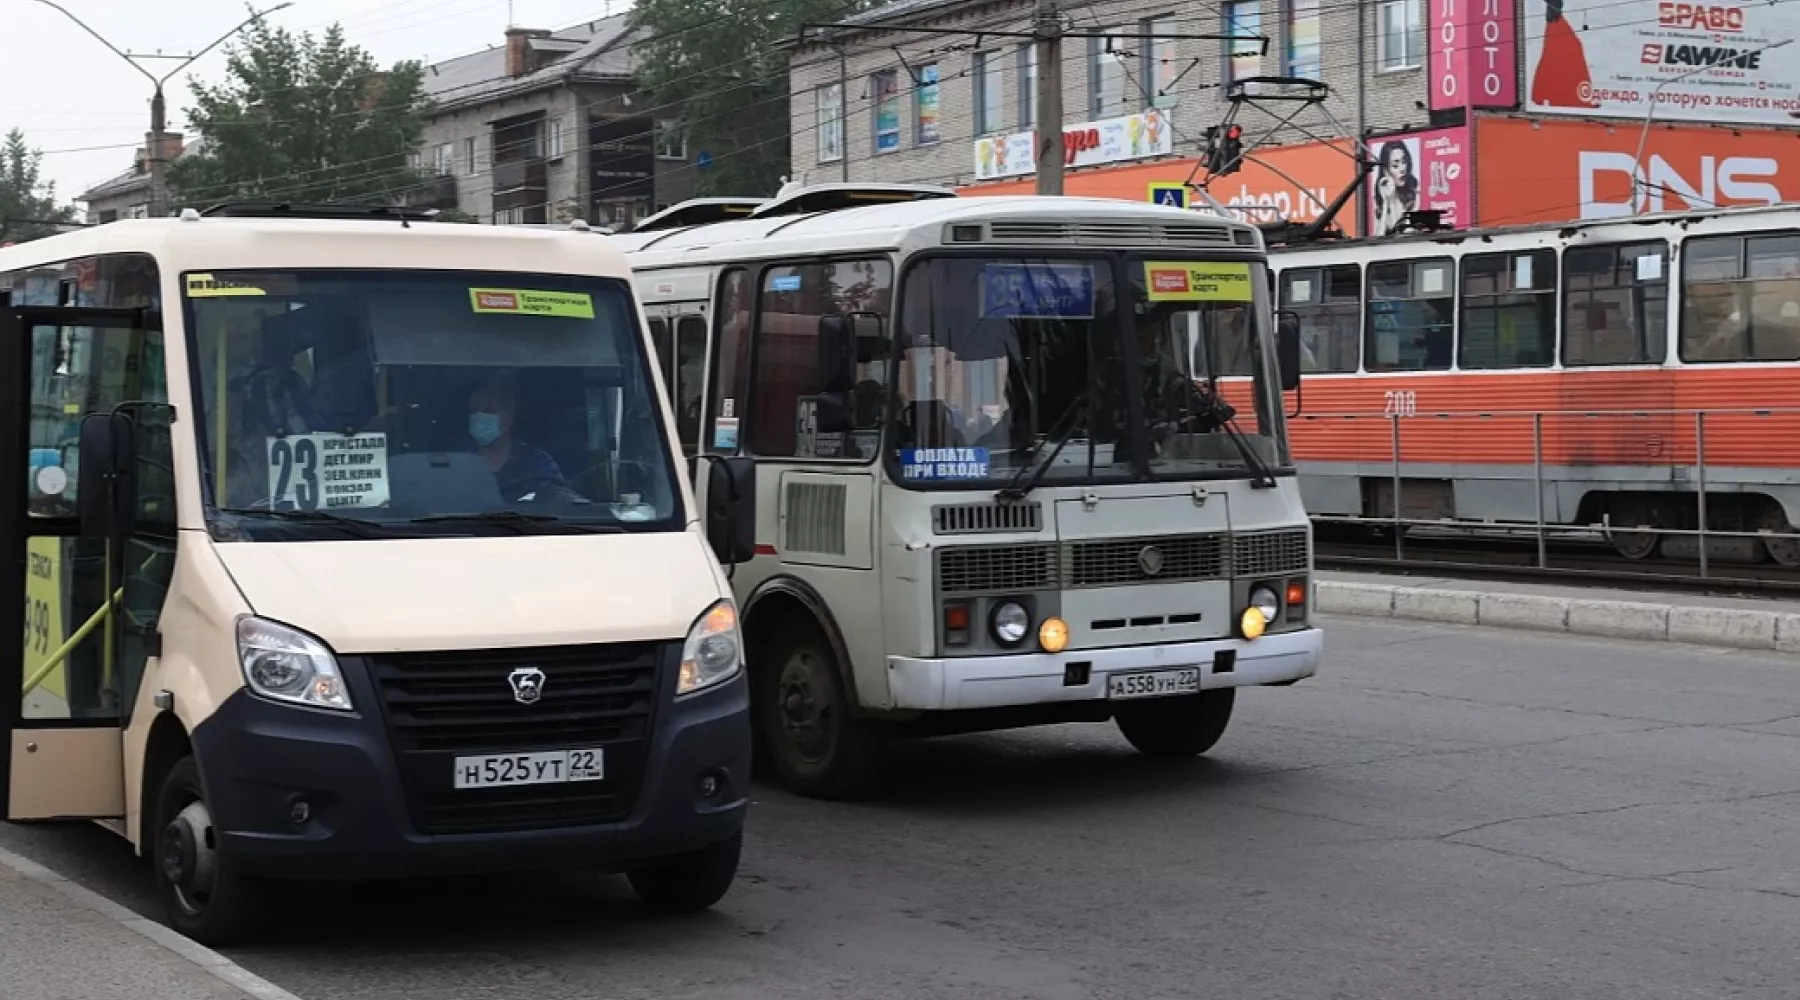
pixel 1445 812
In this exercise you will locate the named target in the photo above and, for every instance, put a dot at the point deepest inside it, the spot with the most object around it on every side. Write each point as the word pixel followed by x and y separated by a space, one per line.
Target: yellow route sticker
pixel 205 286
pixel 1197 281
pixel 575 305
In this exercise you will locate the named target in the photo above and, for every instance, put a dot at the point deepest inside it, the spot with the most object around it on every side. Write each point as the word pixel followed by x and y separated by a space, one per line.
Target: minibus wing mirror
pixel 731 508
pixel 105 499
pixel 1287 348
pixel 837 349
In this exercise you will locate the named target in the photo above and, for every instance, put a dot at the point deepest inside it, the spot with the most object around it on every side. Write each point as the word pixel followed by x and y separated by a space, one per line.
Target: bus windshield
pixel 408 403
pixel 1004 360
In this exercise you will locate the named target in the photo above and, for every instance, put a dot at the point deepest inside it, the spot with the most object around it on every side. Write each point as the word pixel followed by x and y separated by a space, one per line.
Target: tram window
pixel 1616 304
pixel 1328 302
pixel 690 374
pixel 730 360
pixel 1508 310
pixel 1411 315
pixel 799 410
pixel 1742 299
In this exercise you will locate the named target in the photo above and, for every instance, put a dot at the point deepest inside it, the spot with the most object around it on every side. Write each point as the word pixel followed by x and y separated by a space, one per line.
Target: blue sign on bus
pixel 1037 291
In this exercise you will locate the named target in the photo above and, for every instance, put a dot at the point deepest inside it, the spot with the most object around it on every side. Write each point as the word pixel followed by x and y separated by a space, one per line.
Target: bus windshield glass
pixel 409 403
pixel 1015 364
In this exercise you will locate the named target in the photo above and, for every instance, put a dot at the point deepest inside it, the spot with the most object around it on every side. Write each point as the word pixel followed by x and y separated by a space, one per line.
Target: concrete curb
pixel 211 962
pixel 1730 627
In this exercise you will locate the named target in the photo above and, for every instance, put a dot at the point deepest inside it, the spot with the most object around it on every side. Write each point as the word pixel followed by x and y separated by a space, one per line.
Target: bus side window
pixel 690 371
pixel 659 342
pixel 731 354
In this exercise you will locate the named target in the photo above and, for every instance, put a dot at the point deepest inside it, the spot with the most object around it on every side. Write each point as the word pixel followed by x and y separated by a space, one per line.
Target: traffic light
pixel 1224 149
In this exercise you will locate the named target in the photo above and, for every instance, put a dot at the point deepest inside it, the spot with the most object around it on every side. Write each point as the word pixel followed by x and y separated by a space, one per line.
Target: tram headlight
pixel 285 664
pixel 1010 623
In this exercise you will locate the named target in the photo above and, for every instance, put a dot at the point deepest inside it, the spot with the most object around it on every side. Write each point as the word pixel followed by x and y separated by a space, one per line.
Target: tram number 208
pixel 1401 403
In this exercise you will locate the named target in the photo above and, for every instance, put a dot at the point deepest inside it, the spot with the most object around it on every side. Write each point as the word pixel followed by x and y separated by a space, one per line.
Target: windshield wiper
pixel 1262 479
pixel 360 525
pixel 1014 489
pixel 513 517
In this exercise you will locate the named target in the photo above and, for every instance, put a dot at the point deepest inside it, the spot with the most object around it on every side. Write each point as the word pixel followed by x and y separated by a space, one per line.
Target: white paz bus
pixel 359 547
pixel 1018 461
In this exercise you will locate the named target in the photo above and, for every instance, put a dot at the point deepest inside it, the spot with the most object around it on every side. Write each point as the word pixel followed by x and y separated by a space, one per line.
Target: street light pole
pixel 1637 159
pixel 156 155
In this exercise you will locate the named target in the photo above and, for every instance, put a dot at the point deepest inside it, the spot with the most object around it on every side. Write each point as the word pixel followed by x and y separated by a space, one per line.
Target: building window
pixel 1161 69
pixel 442 160
pixel 415 161
pixel 1109 89
pixel 1616 304
pixel 1027 85
pixel 1328 302
pixel 799 410
pixel 1302 30
pixel 553 139
pixel 671 141
pixel 1243 53
pixel 884 96
pixel 989 93
pixel 925 106
pixel 1399 42
pixel 1741 299
pixel 1508 310
pixel 1410 315
pixel 830 122
pixel 469 156
pixel 509 217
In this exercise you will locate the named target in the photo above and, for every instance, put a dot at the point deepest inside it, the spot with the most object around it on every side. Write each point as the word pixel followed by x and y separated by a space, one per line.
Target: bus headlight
pixel 1010 623
pixel 712 653
pixel 288 665
pixel 1265 599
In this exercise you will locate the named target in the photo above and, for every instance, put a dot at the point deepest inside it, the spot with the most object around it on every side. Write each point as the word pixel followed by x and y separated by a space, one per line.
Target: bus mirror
pixel 1287 348
pixel 731 508
pixel 104 500
pixel 871 340
pixel 837 349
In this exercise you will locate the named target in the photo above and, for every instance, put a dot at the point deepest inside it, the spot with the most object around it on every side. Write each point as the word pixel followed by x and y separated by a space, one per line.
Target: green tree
pixel 28 208
pixel 303 119
pixel 717 60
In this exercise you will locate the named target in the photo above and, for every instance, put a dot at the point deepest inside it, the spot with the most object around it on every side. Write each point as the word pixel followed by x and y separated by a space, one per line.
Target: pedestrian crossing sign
pixel 1170 195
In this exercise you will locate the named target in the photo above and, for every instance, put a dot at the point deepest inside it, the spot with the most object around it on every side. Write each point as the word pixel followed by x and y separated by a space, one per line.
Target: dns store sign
pixel 1474 54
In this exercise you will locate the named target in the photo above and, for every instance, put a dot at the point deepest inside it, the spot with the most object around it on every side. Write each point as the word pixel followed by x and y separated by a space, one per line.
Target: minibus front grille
pixel 442 705
pixel 1270 553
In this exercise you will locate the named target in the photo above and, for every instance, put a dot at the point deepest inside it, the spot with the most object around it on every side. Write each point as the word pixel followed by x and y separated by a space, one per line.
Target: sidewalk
pixel 1656 616
pixel 59 941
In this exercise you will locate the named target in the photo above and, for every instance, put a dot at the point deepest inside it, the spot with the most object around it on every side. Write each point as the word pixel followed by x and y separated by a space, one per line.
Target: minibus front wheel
pixel 202 899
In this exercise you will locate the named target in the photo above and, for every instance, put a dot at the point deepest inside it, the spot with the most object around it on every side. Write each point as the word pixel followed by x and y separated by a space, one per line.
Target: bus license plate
pixel 546 768
pixel 1154 683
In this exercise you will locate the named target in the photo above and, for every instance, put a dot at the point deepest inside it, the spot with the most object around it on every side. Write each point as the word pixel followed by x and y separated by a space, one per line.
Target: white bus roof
pixel 224 243
pixel 1015 222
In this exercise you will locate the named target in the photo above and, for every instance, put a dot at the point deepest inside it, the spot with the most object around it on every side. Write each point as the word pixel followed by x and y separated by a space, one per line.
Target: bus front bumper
pixel 362 817
pixel 955 683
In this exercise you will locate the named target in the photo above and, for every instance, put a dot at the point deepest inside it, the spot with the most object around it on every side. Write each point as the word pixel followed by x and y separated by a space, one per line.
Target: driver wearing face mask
pixel 521 471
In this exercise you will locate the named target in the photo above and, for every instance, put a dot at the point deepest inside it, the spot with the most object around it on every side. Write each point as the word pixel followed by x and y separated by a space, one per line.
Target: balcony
pixel 517 176
pixel 432 192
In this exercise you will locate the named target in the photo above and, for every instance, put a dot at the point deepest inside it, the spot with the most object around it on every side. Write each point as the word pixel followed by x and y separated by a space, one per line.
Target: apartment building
pixel 552 126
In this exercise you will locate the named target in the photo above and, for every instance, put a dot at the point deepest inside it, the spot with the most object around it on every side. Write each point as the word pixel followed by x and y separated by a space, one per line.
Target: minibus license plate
pixel 1154 683
pixel 547 768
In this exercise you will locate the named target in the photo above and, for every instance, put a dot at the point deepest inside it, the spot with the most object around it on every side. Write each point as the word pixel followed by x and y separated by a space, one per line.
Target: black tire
pixel 1177 727
pixel 814 743
pixel 689 883
pixel 201 897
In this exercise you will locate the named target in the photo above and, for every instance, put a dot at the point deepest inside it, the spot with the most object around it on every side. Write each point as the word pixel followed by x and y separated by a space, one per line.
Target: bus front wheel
pixel 202 899
pixel 817 746
pixel 1177 727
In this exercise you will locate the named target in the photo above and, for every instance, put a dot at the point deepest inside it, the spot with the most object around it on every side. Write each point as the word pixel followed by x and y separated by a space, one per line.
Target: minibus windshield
pixel 1015 372
pixel 375 403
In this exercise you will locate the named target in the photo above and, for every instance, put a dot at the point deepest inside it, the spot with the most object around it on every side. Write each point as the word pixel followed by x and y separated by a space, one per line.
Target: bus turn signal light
pixel 1253 623
pixel 1053 635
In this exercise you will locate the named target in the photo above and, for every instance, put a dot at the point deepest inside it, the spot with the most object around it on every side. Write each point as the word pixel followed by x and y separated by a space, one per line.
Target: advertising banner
pixel 1690 61
pixel 1474 54
pixel 1419 171
pixel 1110 140
pixel 1558 171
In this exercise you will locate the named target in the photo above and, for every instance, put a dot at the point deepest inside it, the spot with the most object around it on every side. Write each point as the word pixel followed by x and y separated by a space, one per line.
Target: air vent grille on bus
pixel 1269 553
pixel 1108 234
pixel 986 518
pixel 815 517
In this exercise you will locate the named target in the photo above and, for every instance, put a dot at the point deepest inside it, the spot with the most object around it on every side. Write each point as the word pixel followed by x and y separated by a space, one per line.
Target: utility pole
pixel 156 154
pixel 1049 31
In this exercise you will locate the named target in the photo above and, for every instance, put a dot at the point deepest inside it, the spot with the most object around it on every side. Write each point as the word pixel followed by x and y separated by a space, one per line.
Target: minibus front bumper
pixel 973 682
pixel 312 794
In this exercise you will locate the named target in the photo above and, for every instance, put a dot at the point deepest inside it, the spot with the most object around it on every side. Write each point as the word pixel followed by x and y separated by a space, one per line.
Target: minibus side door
pixel 64 703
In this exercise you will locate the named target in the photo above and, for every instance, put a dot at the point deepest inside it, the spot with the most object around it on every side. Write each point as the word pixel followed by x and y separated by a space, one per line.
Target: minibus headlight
pixel 287 665
pixel 713 653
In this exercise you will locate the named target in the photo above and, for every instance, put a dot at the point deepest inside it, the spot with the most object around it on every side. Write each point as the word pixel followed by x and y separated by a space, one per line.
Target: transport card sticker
pixel 1197 281
pixel 574 305
pixel 328 471
pixel 944 464
pixel 725 434
pixel 205 286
